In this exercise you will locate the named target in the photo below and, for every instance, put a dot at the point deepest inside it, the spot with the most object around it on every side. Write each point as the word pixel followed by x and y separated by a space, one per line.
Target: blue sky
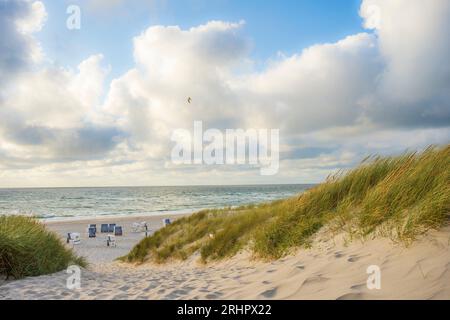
pixel 271 26
pixel 340 80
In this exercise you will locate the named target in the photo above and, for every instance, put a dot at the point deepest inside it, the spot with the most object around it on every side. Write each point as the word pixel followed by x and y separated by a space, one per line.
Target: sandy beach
pixel 95 250
pixel 331 269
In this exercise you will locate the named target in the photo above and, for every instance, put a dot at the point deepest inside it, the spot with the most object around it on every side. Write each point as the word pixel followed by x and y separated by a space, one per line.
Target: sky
pixel 97 106
pixel 270 26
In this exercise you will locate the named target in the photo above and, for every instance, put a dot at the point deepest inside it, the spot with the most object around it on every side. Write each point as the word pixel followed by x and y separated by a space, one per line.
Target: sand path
pixel 331 270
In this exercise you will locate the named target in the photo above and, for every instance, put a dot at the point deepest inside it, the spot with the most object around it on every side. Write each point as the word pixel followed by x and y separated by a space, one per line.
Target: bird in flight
pixel 189 100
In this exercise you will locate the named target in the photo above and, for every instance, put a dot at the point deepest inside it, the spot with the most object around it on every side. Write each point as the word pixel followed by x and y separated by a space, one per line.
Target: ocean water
pixel 73 203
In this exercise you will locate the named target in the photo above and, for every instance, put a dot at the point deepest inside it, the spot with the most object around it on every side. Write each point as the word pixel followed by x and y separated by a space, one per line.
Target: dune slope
pixel 395 197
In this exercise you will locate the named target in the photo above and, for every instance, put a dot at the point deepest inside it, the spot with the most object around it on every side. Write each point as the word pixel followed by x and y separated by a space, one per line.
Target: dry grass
pixel 28 249
pixel 399 197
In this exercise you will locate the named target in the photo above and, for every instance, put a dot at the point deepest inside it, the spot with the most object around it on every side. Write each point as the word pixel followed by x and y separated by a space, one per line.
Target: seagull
pixel 189 100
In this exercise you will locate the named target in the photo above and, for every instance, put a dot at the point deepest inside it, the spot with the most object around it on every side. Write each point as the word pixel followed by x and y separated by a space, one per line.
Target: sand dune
pixel 330 270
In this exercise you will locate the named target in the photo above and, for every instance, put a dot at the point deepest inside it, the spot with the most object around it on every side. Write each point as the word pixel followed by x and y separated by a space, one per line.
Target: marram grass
pixel 28 249
pixel 398 197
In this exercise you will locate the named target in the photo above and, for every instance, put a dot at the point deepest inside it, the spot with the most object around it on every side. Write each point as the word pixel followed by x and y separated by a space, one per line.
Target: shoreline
pixel 71 204
pixel 122 217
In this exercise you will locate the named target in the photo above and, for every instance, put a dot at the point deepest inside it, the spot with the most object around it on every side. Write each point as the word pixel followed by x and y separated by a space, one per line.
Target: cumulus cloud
pixel 18 48
pixel 34 20
pixel 54 113
pixel 323 86
pixel 47 113
pixel 381 82
pixel 398 76
pixel 413 87
pixel 381 91
pixel 171 65
pixel 56 97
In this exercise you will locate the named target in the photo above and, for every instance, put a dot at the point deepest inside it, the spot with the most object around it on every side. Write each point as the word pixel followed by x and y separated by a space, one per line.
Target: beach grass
pixel 27 248
pixel 399 197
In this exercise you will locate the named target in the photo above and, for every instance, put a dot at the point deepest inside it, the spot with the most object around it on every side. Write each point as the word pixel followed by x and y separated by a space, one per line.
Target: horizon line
pixel 163 186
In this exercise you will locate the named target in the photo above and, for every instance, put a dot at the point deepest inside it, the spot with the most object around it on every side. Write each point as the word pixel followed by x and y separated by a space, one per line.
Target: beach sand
pixel 331 269
pixel 95 250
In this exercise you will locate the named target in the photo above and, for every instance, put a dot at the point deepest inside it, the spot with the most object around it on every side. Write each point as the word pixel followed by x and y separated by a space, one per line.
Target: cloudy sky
pixel 97 106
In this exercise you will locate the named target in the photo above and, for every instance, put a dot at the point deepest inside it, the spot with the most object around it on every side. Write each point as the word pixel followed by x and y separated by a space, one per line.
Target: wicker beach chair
pixel 118 231
pixel 73 238
pixel 92 232
pixel 138 227
pixel 104 228
pixel 111 241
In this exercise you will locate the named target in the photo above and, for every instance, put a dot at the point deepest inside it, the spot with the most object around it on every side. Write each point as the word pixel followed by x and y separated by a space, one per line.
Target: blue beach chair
pixel 104 228
pixel 92 232
pixel 118 231
pixel 111 227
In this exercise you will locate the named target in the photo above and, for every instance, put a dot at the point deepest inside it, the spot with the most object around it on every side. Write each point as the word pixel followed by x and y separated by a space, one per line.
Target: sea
pixel 79 203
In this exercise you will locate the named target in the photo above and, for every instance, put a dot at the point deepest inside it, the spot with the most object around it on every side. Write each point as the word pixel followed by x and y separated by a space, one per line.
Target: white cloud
pixel 48 114
pixel 150 101
pixel 323 86
pixel 34 20
pixel 413 89
pixel 18 48
pixel 55 97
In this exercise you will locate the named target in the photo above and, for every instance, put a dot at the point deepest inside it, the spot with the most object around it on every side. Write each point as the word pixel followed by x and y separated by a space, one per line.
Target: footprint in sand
pixel 121 297
pixel 314 279
pixel 358 286
pixel 148 288
pixel 181 291
pixel 354 296
pixel 353 258
pixel 270 293
pixel 214 295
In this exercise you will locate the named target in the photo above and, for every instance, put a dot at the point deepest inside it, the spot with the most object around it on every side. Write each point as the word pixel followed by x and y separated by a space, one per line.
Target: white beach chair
pixel 111 241
pixel 74 238
pixel 136 227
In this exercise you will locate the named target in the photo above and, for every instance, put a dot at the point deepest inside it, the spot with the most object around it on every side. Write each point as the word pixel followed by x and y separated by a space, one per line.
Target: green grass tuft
pixel 28 249
pixel 398 197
